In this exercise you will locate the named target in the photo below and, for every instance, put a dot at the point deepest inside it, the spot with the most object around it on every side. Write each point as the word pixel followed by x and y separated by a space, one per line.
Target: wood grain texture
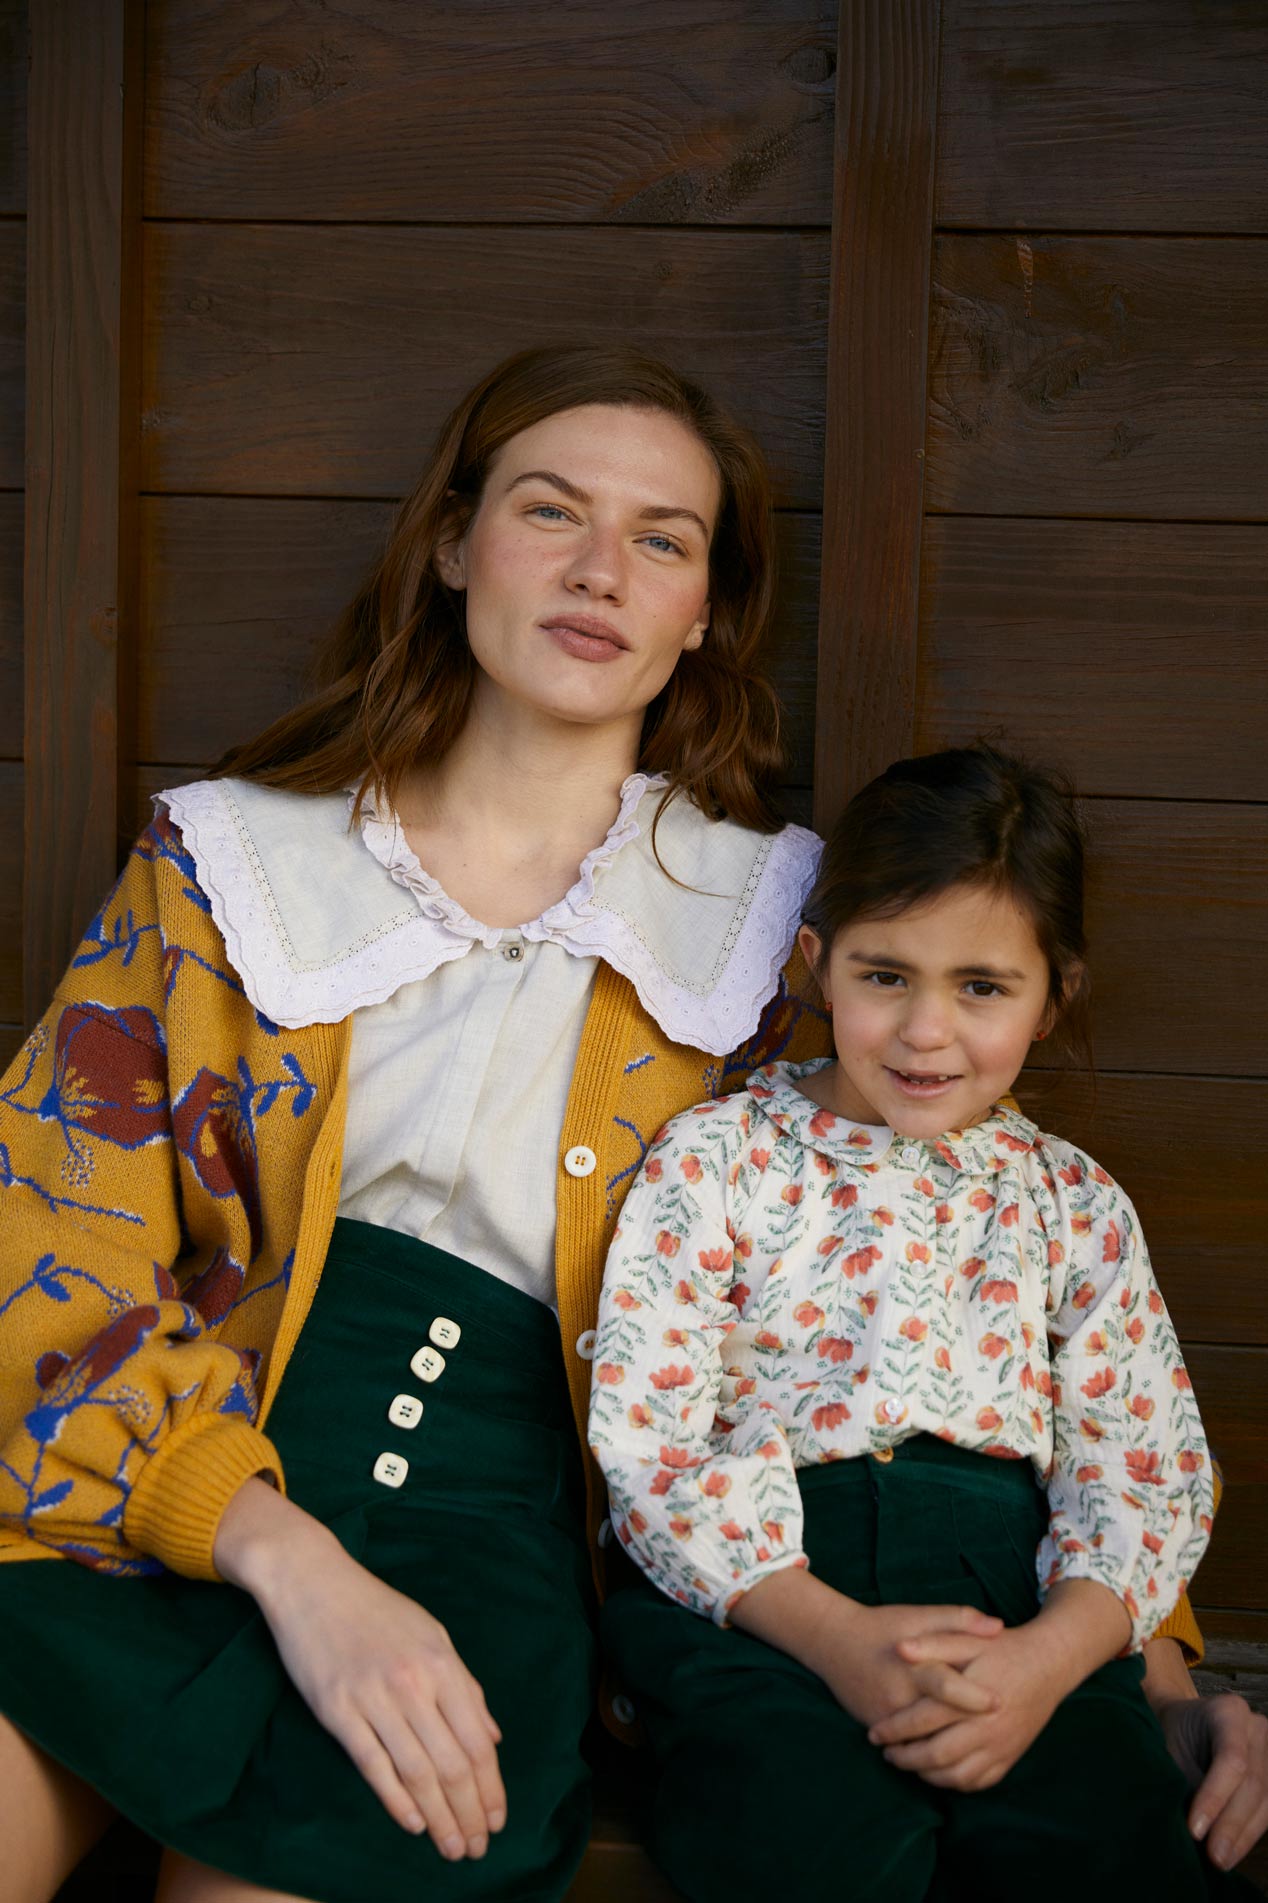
pixel 1178 929
pixel 10 892
pixel 237 595
pixel 12 1037
pixel 12 351
pixel 696 113
pixel 11 534
pixel 1130 653
pixel 1205 1229
pixel 83 85
pixel 1231 1385
pixel 887 103
pixel 1099 376
pixel 299 361
pixel 1089 115
pixel 12 106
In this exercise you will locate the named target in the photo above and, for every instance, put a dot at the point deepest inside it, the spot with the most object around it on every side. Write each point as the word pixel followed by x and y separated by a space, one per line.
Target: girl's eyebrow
pixel 960 971
pixel 654 512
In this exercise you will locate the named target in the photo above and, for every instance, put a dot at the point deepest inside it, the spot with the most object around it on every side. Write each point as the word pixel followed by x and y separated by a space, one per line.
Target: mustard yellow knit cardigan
pixel 169 1169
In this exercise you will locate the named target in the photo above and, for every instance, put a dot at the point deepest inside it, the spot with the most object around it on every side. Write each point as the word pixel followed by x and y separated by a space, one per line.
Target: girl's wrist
pixel 263 1537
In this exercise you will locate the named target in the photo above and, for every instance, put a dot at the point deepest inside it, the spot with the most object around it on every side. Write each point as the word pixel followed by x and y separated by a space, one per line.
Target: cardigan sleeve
pixel 1131 1491
pixel 125 1426
pixel 701 1482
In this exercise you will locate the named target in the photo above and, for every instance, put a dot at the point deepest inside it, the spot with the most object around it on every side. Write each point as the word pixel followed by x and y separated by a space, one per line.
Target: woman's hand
pixel 855 1648
pixel 1221 1745
pixel 376 1670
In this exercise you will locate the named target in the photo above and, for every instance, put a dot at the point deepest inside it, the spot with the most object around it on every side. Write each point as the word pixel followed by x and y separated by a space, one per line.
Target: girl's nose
pixel 597 568
pixel 926 1025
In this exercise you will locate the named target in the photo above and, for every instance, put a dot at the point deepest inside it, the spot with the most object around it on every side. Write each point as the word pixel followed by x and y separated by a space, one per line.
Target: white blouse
pixel 465 1036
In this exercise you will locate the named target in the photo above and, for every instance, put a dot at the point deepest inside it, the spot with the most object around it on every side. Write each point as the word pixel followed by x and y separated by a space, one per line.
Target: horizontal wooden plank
pixel 12 106
pixel 695 112
pixel 1205 1229
pixel 12 352
pixel 10 893
pixel 10 627
pixel 1178 929
pixel 1131 653
pixel 1232 1389
pixel 1098 376
pixel 1087 115
pixel 237 595
pixel 11 1040
pixel 299 361
pixel 1235 1566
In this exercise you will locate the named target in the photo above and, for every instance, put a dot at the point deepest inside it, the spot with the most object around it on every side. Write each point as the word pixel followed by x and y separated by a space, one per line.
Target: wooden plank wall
pixel 1089 503
pixel 350 215
pixel 12 461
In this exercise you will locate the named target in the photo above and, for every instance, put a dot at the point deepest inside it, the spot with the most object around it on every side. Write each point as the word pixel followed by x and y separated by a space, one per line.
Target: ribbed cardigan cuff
pixel 175 1507
pixel 1183 1627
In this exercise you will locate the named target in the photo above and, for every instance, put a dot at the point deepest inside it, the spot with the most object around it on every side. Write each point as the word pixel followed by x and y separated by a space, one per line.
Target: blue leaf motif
pixel 51 1496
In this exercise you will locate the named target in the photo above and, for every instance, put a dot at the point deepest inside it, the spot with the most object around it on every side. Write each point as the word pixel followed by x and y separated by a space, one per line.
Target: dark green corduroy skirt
pixel 167 1694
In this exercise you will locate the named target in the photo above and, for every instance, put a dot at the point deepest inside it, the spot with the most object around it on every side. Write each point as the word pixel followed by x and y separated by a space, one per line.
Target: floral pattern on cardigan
pixel 778 1295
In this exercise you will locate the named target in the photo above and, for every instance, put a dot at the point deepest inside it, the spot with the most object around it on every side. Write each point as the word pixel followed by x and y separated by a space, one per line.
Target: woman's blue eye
pixel 549 508
pixel 662 541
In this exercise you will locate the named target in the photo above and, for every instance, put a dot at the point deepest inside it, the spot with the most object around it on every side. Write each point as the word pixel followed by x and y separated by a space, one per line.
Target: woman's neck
pixel 506 819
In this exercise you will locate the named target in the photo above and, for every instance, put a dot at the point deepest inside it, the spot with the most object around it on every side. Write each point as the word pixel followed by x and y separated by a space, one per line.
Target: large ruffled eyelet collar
pixel 321 919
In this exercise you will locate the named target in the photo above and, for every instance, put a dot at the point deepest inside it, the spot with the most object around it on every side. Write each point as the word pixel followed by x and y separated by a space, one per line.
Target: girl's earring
pixel 1040 1036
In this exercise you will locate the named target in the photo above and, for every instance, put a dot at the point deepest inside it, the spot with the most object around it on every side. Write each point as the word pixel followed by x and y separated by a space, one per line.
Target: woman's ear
pixel 450 562
pixel 812 951
pixel 695 638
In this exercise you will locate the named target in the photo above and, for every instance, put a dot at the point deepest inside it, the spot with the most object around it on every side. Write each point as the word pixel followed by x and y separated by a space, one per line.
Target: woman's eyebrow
pixel 654 512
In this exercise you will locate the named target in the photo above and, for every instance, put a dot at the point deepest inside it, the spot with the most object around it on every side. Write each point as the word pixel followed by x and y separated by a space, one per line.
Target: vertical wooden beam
pixel 83 225
pixel 878 339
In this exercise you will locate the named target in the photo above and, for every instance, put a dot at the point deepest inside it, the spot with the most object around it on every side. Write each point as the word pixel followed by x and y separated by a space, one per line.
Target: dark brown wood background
pixel 988 279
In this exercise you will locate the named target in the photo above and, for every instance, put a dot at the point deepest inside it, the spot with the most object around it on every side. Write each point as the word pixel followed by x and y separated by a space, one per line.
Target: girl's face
pixel 933 1011
pixel 586 564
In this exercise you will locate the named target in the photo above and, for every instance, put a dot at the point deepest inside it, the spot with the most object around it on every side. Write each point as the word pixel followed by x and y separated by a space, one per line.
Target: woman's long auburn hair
pixel 394 680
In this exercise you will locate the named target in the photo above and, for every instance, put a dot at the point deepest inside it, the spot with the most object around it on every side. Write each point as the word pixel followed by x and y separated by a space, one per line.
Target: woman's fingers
pixel 944 1647
pixel 939 1753
pixel 918 1720
pixel 373 1760
pixel 469 1719
pixel 951 1687
pixel 456 1783
pixel 957 1619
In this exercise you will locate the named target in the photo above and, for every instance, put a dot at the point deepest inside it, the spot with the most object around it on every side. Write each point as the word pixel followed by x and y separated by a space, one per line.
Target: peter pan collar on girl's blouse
pixel 319 920
pixel 999 1139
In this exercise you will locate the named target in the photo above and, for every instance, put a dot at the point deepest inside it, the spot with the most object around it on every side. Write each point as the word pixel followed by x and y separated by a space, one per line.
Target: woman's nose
pixel 597 568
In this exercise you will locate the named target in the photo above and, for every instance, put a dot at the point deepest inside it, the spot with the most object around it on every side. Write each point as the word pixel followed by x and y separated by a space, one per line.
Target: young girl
pixel 830 1295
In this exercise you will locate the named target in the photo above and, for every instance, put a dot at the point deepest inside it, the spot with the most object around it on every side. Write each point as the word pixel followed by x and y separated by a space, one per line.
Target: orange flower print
pixel 988 1419
pixel 680 1528
pixel 653 1169
pixel 821 1122
pixel 1081 1222
pixel 808 1315
pixel 1073 1546
pixel 791 1194
pixel 1091 1430
pixel 1028 1334
pixel 1085 1295
pixel 769 1450
pixel 666 1244
pixel 1152 1541
pixel 1155 1302
pixel 860 1261
pixel 861 1374
pixel 831 1415
pixel 942 1359
pixel 762 1553
pixel 917 1252
pixel 914 1329
pixel 1142 1407
pixel 732 1530
pixel 999 1291
pixel 1101 1175
pixel 662 1482
pixel 844 1196
pixel 1112 1247
pixel 1096 1343
pixel 774 1530
pixel 835 1348
pixel 640 1415
pixel 636 1520
pixel 1180 1379
pixel 824 1164
pixel 672 1377
pixel 611 1374
pixel 738 1294
pixel 1091 1472
pixel 625 1300
pixel 884 1216
pixel 765 1339
pixel 1008 1217
pixel 1099 1384
pixel 691 1169
pixel 993 1346
pixel 686 1292
pixel 1056 1255
pixel 713 1261
pixel 759 1158
pixel 1145 1469
pixel 1027 1376
pixel 981 1199
pixel 677 1457
pixel 925 1187
pixel 1071 1174
pixel 867 1302
pixel 1189 1462
pixel 747 1384
pixel 674 1338
pixel 830 1243
pixel 972 1265
pixel 716 1485
pixel 944 1213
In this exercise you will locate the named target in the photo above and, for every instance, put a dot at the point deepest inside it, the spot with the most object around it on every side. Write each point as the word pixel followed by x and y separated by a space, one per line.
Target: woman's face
pixel 586 564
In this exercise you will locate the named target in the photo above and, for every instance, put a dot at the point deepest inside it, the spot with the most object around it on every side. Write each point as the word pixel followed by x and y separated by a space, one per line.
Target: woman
pixel 313 1140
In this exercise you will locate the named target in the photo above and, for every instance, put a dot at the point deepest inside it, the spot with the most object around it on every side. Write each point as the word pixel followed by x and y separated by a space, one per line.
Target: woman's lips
pixel 587 638
pixel 921 1084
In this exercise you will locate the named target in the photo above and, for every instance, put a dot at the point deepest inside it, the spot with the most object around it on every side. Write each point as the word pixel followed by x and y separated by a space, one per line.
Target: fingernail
pixel 453 1848
pixel 476 1846
pixel 496 1819
pixel 1200 1827
pixel 414 1822
pixel 1219 1854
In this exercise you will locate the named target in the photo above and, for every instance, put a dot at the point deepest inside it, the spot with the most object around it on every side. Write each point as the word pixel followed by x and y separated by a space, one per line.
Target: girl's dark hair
pixel 968 816
pixel 394 680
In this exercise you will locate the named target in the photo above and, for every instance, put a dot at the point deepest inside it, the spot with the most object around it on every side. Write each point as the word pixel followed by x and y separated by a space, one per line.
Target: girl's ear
pixel 812 951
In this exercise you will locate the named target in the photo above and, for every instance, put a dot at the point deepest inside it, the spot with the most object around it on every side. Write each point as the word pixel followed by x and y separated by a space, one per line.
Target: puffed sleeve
pixel 1131 1489
pixel 125 1427
pixel 706 1502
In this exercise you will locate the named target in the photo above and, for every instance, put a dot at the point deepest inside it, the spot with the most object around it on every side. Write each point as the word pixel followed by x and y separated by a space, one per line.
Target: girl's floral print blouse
pixel 779 1294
